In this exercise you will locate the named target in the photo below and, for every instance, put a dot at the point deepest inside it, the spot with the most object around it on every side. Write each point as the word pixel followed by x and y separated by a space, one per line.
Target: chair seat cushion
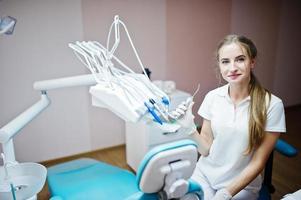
pixel 90 179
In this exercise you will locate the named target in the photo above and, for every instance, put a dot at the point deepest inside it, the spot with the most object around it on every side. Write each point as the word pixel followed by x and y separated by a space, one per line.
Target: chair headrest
pixel 176 157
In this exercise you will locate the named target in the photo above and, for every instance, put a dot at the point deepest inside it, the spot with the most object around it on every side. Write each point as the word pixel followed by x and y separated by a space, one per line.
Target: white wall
pixel 39 50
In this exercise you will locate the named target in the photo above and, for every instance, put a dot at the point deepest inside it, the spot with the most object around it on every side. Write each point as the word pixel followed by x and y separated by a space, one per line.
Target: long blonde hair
pixel 260 97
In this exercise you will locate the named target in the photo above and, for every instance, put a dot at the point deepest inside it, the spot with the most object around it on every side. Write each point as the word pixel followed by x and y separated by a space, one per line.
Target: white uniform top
pixel 229 125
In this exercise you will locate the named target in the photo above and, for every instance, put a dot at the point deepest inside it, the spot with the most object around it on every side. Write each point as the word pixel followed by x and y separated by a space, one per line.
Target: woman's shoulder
pixel 275 103
pixel 221 91
pixel 275 100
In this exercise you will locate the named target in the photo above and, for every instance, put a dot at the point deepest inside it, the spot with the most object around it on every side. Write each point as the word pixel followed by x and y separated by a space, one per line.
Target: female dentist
pixel 241 124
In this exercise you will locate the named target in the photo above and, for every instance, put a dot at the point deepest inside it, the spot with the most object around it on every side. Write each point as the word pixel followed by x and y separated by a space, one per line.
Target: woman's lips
pixel 233 76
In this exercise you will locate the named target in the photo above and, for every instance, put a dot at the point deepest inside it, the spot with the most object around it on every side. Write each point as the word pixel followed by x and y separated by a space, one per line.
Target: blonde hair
pixel 260 97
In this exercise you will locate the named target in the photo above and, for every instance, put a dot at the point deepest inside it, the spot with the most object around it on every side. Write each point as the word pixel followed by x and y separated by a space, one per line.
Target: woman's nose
pixel 233 67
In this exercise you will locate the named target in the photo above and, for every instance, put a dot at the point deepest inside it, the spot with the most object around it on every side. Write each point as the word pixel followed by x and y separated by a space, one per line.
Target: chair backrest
pixel 178 157
pixel 283 148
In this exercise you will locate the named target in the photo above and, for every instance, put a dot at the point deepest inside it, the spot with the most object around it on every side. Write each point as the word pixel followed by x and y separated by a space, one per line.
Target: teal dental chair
pixel 163 174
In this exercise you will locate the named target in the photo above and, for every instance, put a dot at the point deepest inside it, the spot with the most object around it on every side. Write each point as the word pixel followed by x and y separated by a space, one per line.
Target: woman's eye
pixel 241 59
pixel 225 61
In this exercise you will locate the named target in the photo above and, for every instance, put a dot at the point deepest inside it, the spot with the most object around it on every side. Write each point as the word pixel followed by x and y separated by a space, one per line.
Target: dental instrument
pixel 180 111
pixel 152 111
pixel 159 109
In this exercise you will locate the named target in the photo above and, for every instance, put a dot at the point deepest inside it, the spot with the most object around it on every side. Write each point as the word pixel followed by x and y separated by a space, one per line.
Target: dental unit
pixel 131 96
pixel 124 92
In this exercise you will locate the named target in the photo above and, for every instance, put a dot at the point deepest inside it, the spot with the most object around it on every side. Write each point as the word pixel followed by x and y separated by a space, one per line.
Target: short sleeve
pixel 276 117
pixel 205 108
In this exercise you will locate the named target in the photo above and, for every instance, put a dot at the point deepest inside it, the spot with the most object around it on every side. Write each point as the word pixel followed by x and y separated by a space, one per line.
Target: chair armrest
pixel 285 148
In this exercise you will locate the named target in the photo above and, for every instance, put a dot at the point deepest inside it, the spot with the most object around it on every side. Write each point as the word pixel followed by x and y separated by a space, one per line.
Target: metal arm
pixel 72 81
pixel 11 129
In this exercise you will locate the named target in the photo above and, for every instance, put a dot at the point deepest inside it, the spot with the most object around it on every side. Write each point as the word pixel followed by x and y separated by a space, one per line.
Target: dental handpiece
pixel 182 108
pixel 159 109
pixel 190 99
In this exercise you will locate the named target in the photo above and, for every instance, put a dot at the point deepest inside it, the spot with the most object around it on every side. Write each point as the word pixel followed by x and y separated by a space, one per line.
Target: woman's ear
pixel 252 63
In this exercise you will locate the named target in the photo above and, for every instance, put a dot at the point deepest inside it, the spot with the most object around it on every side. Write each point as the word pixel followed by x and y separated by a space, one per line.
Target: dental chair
pixel 267 188
pixel 163 174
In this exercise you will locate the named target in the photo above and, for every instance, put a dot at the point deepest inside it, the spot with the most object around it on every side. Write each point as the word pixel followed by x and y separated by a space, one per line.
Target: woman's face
pixel 235 64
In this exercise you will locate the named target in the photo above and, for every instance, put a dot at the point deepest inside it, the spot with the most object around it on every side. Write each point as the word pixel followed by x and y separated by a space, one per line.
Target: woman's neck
pixel 238 92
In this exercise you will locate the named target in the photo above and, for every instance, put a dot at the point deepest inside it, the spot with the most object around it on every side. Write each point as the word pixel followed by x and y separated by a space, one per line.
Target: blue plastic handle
pixel 165 101
pixel 285 148
pixel 154 114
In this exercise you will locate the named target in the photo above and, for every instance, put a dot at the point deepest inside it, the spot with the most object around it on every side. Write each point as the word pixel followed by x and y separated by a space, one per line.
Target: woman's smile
pixel 233 76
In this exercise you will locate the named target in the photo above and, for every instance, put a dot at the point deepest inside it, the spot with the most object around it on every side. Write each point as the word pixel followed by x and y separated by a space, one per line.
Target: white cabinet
pixel 141 137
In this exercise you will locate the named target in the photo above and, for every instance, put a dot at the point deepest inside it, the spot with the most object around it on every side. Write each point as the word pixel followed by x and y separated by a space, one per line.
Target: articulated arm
pixel 72 81
pixel 11 129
